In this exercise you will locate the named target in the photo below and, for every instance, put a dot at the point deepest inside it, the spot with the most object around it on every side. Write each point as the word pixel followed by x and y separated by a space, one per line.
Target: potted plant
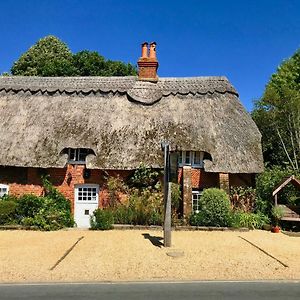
pixel 277 213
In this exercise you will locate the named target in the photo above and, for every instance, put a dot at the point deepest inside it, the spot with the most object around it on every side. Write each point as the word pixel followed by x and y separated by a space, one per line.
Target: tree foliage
pixel 48 57
pixel 277 115
pixel 52 57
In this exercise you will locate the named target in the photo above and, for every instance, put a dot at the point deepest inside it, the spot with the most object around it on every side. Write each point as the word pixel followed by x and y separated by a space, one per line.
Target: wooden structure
pixel 291 212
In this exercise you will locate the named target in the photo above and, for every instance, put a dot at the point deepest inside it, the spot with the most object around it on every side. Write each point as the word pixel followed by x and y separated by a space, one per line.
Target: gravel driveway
pixel 76 255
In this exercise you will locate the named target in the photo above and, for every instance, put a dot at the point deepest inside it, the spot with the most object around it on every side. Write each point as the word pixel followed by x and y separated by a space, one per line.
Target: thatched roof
pixel 124 121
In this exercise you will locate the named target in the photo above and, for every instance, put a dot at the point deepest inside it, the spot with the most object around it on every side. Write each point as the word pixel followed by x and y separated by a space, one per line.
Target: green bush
pixel 267 181
pixel 144 177
pixel 51 212
pixel 46 213
pixel 115 186
pixel 277 214
pixel 144 207
pixel 214 209
pixel 123 215
pixel 7 211
pixel 58 207
pixel 243 198
pixel 102 219
pixel 29 205
pixel 240 219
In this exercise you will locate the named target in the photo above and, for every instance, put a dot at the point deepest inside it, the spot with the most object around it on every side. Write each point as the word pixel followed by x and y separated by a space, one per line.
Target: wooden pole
pixel 167 196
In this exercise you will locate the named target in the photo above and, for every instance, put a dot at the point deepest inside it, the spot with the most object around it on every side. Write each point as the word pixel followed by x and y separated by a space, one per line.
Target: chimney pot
pixel 145 50
pixel 152 50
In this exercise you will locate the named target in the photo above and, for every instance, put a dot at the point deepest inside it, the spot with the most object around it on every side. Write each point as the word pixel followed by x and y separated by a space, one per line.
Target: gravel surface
pixel 29 256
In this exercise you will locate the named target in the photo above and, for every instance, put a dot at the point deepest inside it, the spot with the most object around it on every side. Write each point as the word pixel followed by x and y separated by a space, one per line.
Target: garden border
pixel 136 227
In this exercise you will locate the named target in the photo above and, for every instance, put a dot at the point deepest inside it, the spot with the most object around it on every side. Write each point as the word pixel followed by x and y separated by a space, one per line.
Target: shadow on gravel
pixel 155 240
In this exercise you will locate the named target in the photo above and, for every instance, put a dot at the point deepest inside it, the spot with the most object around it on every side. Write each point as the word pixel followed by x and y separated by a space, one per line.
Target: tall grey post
pixel 167 196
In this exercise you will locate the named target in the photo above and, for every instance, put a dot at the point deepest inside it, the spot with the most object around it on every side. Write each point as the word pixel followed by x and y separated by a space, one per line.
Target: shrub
pixel 144 177
pixel 115 186
pixel 243 198
pixel 102 219
pixel 7 211
pixel 57 206
pixel 214 209
pixel 277 214
pixel 51 212
pixel 47 214
pixel 240 219
pixel 267 182
pixel 144 207
pixel 29 205
pixel 123 215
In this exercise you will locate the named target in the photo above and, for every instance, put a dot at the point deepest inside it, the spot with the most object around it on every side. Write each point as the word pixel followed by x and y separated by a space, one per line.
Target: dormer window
pixel 192 158
pixel 78 155
pixel 4 188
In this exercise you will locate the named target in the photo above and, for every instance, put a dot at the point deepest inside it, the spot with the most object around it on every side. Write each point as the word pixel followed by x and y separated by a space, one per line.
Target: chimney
pixel 148 63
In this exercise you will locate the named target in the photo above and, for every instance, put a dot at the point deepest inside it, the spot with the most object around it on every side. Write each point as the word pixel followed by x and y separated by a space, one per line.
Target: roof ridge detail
pixel 166 85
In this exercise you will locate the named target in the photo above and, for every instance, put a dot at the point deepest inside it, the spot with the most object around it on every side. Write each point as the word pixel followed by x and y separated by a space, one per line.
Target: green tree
pixel 48 57
pixel 277 115
pixel 91 63
pixel 52 57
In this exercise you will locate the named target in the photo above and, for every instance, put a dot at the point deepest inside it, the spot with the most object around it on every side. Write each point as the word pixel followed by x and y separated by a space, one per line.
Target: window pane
pixel 82 154
pixel 180 157
pixel 187 157
pixel 72 154
pixel 197 158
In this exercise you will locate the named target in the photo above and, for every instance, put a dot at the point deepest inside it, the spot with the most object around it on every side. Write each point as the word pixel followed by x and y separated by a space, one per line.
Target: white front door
pixel 86 201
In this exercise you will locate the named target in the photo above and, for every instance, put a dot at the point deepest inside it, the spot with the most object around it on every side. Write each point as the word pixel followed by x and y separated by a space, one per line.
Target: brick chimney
pixel 148 63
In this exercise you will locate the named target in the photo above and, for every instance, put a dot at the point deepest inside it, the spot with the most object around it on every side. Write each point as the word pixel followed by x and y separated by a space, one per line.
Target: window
pixel 78 155
pixel 180 158
pixel 191 158
pixel 87 194
pixel 3 190
pixel 196 195
pixel 187 160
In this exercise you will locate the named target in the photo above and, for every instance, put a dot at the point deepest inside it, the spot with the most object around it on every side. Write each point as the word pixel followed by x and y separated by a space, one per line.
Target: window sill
pixel 76 162
pixel 192 166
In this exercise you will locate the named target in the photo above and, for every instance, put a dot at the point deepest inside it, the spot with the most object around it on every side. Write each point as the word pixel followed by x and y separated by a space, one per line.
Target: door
pixel 86 201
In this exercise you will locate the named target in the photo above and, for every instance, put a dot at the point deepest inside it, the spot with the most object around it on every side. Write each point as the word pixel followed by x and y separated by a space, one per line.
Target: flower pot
pixel 276 229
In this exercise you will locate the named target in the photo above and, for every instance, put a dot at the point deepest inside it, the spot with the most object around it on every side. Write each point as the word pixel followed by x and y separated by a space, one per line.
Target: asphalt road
pixel 154 290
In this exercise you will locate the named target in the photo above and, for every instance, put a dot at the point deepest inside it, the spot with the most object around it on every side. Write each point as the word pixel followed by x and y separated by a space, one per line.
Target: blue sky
pixel 243 40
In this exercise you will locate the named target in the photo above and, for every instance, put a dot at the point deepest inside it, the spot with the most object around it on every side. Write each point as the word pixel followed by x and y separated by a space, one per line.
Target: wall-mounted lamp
pixel 86 173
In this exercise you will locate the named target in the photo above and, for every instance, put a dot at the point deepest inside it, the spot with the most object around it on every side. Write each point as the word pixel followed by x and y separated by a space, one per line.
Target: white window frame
pixel 182 159
pixel 4 186
pixel 195 208
pixel 86 186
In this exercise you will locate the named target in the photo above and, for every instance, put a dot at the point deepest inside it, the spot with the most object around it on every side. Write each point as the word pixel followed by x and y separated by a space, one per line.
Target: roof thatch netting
pixel 124 121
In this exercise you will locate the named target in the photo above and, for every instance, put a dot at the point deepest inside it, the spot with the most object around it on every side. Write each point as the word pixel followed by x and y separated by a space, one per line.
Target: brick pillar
pixel 187 190
pixel 224 182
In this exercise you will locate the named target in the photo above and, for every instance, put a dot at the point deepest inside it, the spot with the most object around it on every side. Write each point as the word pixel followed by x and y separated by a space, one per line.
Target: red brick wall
pixel 201 179
pixel 28 180
pixel 63 179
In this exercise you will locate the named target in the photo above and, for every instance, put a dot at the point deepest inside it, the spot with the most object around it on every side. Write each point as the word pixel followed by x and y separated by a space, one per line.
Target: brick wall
pixel 64 179
pixel 201 179
pixel 28 181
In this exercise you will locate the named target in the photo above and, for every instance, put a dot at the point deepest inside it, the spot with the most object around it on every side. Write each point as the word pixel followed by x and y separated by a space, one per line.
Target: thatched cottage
pixel 76 129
